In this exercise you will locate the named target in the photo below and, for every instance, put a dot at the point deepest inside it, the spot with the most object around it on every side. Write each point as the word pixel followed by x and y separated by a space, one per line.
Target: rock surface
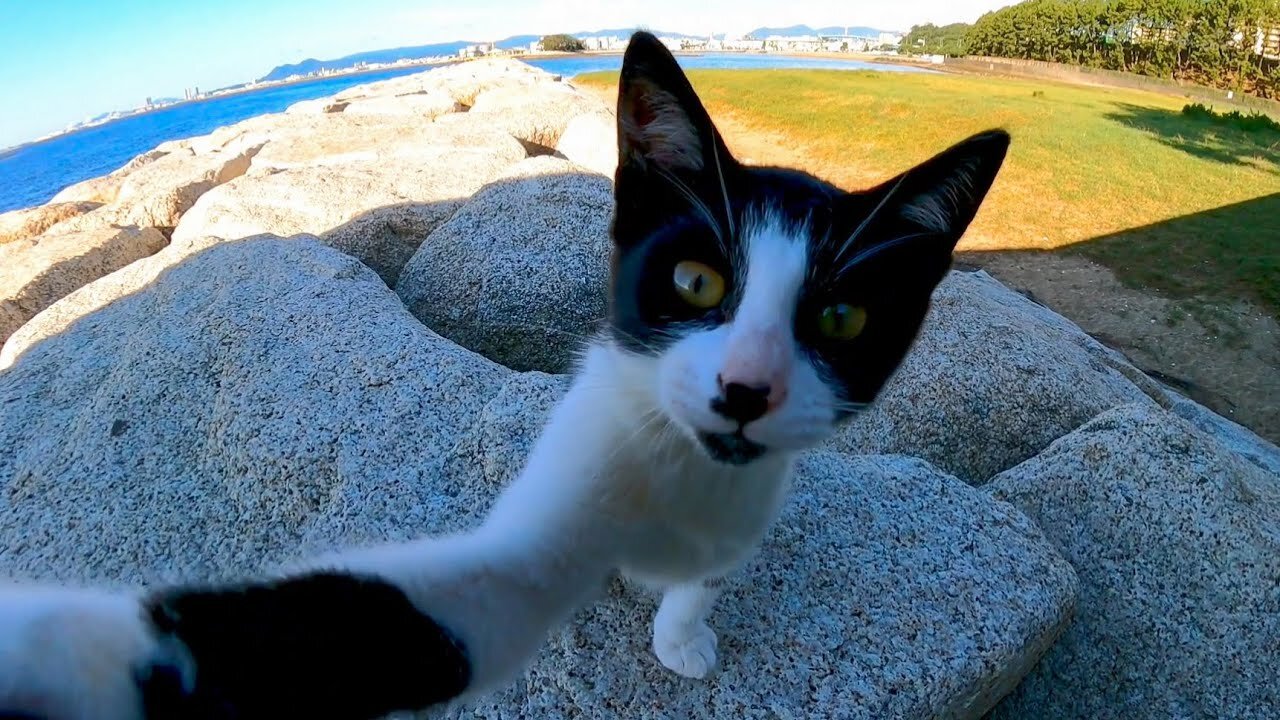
pixel 428 105
pixel 519 273
pixel 255 398
pixel 993 380
pixel 29 222
pixel 590 140
pixel 158 193
pixel 267 398
pixel 1176 541
pixel 36 272
pixel 537 115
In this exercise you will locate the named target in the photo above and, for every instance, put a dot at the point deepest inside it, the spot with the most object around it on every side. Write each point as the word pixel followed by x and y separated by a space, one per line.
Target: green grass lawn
pixel 1168 201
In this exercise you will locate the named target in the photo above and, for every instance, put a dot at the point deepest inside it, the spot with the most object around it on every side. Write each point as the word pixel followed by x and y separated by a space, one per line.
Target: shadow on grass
pixel 1203 137
pixel 1229 252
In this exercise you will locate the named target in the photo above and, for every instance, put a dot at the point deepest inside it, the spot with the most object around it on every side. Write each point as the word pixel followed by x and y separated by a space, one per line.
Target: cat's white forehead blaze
pixel 761 347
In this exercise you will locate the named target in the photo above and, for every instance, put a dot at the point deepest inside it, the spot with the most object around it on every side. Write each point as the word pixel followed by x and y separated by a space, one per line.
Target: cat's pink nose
pixel 753 379
pixel 745 402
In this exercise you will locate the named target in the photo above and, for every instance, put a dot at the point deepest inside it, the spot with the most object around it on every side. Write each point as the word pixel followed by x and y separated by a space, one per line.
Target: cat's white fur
pixel 616 481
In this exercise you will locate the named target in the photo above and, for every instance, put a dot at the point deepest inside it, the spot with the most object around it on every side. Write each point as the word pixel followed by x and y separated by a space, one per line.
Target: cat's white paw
pixel 69 654
pixel 686 649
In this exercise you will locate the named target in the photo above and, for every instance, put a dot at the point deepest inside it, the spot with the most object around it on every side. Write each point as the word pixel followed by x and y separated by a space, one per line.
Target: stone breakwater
pixel 345 323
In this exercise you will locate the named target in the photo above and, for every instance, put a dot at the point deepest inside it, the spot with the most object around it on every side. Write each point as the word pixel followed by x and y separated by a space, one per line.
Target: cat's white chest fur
pixel 684 517
pixel 610 464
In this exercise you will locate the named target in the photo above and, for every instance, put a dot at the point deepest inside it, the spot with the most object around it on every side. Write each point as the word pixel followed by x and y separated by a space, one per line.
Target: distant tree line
pixel 930 39
pixel 1233 44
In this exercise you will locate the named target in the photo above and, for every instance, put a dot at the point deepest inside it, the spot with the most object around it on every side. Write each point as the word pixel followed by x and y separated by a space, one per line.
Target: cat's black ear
pixel 918 217
pixel 661 122
pixel 943 194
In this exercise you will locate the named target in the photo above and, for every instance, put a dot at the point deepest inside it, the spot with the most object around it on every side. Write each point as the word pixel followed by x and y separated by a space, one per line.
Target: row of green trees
pixel 930 39
pixel 1210 42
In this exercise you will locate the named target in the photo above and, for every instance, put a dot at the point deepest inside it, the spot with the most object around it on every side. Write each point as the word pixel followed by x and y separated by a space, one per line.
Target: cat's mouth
pixel 731 448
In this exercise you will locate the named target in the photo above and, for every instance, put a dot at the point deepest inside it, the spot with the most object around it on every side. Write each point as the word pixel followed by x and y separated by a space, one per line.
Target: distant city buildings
pixel 1266 43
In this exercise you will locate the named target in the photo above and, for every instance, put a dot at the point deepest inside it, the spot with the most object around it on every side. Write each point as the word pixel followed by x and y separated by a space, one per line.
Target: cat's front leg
pixel 78 655
pixel 682 640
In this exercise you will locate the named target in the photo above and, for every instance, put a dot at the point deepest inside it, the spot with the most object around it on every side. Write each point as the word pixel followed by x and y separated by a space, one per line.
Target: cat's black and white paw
pixel 75 655
pixel 687 649
pixel 332 645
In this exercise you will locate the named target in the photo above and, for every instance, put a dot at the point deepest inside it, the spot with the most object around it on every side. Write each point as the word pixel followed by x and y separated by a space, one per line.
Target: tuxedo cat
pixel 752 311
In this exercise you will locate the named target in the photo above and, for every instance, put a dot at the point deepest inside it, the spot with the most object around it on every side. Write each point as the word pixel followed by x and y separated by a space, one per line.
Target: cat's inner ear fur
pixel 943 194
pixel 660 119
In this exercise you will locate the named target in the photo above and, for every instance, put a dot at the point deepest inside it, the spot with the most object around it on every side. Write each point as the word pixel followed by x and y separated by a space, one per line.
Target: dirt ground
pixel 1223 355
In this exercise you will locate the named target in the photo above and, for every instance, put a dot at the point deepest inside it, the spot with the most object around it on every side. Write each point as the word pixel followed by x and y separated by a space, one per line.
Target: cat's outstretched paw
pixel 686 649
pixel 72 655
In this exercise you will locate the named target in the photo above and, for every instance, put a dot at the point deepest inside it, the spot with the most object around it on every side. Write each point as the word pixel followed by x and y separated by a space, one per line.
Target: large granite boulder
pixel 993 379
pixel 376 197
pixel 37 271
pixel 29 222
pixel 104 189
pixel 591 141
pixel 224 411
pixel 229 410
pixel 423 106
pixel 519 273
pixel 160 192
pixel 1176 541
pixel 537 115
pixel 337 139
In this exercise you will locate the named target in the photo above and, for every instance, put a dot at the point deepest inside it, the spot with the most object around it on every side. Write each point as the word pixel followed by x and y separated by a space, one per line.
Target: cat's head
pixel 765 305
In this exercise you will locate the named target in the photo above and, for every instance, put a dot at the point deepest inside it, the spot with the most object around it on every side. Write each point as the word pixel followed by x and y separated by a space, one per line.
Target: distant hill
pixel 312 65
pixel 391 55
pixel 801 30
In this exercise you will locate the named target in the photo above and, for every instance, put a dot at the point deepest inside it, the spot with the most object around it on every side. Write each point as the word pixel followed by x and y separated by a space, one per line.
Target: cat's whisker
pixel 848 243
pixel 724 188
pixel 881 247
pixel 707 216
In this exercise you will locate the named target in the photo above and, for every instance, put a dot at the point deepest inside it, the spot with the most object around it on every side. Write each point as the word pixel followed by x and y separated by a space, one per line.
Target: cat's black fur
pixel 320 645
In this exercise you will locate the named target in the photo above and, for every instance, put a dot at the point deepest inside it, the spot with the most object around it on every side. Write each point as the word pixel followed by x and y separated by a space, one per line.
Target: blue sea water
pixel 32 174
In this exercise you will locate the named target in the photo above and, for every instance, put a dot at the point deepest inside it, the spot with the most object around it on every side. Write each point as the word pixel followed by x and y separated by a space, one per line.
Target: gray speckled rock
pixel 1176 541
pixel 591 140
pixel 1237 438
pixel 519 273
pixel 254 401
pixel 105 188
pixel 993 379
pixel 537 114
pixel 424 105
pixel 36 272
pixel 339 139
pixel 887 590
pixel 160 191
pixel 379 211
pixel 27 223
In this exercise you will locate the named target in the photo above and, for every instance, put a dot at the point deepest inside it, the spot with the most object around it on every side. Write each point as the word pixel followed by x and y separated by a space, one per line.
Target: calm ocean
pixel 33 174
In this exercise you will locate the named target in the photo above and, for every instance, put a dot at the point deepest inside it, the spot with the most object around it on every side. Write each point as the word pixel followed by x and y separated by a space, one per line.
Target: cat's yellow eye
pixel 698 284
pixel 842 322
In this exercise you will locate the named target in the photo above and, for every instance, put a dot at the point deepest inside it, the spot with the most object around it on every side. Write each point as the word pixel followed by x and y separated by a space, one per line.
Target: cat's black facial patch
pixel 731 448
pixel 325 645
pixel 646 313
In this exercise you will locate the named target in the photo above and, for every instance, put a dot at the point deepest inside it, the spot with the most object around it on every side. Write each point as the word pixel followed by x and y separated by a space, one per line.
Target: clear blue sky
pixel 65 60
